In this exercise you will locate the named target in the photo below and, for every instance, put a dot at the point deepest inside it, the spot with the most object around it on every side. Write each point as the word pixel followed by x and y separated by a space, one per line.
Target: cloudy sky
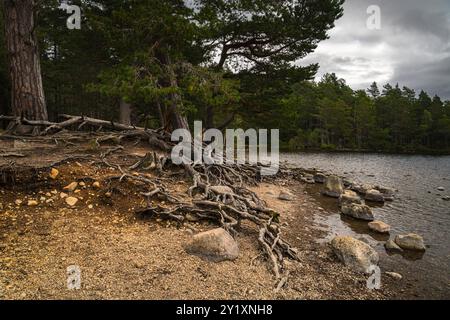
pixel 411 48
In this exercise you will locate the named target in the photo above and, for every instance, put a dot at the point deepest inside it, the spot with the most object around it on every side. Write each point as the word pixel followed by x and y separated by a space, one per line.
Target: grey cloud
pixel 412 47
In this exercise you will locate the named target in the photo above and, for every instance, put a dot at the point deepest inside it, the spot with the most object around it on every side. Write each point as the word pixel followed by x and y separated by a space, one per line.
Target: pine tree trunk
pixel 125 112
pixel 173 118
pixel 27 92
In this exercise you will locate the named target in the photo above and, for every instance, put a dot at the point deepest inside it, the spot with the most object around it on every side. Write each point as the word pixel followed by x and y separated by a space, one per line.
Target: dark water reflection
pixel 418 208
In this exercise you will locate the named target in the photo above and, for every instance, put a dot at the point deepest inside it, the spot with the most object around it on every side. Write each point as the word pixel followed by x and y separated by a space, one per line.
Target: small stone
pixel 82 184
pixel 71 187
pixel 90 206
pixel 394 275
pixel 96 185
pixel 63 195
pixel 54 173
pixel 18 202
pixel 32 203
pixel 286 196
pixel 42 199
pixel 441 189
pixel 447 198
pixel 71 201
pixel 380 227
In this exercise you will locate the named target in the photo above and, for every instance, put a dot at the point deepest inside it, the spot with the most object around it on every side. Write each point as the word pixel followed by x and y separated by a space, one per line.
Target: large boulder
pixel 358 211
pixel 349 197
pixel 379 226
pixel 355 254
pixel 217 245
pixel 410 242
pixel 333 187
pixel 374 196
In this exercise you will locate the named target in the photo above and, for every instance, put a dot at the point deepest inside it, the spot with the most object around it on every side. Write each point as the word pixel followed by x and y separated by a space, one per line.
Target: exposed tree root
pixel 218 192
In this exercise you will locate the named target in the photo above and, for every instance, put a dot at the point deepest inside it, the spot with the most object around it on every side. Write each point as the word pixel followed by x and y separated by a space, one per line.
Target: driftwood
pixel 227 206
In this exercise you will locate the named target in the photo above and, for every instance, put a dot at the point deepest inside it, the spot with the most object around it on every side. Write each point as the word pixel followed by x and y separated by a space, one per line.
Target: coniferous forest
pixel 168 63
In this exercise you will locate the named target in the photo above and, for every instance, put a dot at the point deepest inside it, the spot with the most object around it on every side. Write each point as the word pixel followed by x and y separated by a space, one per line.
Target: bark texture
pixel 27 92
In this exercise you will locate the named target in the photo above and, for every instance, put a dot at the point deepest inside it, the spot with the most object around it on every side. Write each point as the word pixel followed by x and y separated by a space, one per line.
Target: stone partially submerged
pixel 320 178
pixel 374 196
pixel 333 187
pixel 380 227
pixel 217 245
pixel 391 246
pixel 358 211
pixel 355 254
pixel 388 193
pixel 349 197
pixel 411 241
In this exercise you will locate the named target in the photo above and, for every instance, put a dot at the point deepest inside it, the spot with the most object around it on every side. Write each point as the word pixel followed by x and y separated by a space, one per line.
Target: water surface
pixel 418 208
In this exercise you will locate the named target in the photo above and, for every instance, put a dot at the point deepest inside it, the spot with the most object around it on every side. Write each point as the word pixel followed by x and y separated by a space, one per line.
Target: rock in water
pixel 361 189
pixel 349 197
pixel 308 178
pixel 410 242
pixel 217 245
pixel 374 196
pixel 388 193
pixel 286 196
pixel 391 246
pixel 355 254
pixel 333 187
pixel 320 178
pixel 358 211
pixel 380 227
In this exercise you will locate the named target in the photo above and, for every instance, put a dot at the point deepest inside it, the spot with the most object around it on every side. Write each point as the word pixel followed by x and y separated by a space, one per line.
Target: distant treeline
pixel 330 115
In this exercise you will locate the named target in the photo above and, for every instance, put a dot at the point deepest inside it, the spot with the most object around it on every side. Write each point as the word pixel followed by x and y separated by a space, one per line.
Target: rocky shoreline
pixel 354 201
